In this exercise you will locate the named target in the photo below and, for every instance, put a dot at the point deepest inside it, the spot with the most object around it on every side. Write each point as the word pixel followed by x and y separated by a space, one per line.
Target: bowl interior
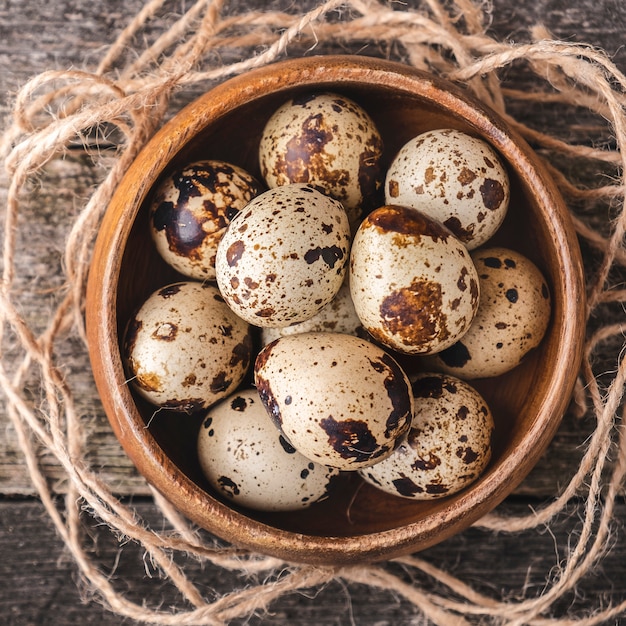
pixel 358 522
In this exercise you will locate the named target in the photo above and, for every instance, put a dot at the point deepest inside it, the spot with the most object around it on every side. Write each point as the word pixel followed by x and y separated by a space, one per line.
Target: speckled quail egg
pixel 327 140
pixel 455 178
pixel 185 349
pixel 413 283
pixel 337 316
pixel 191 210
pixel 447 447
pixel 284 257
pixel 512 318
pixel 246 459
pixel 338 399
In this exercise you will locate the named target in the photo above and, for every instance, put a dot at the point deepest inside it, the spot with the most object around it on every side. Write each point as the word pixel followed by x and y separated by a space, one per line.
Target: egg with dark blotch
pixel 185 349
pixel 338 399
pixel 413 283
pixel 284 257
pixel 447 447
pixel 192 208
pixel 327 140
pixel 455 178
pixel 245 459
pixel 512 317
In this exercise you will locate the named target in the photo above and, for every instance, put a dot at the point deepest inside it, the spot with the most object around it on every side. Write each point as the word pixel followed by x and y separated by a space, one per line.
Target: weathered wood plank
pixel 40 585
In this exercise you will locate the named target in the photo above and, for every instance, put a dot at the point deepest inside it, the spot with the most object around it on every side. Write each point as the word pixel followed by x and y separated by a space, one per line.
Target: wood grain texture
pixel 41 586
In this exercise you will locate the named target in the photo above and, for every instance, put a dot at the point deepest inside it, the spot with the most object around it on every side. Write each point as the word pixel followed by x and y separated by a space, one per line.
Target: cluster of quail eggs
pixel 338 270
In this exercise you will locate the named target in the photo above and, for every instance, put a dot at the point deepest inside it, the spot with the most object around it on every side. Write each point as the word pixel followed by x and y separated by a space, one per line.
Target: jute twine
pixel 133 95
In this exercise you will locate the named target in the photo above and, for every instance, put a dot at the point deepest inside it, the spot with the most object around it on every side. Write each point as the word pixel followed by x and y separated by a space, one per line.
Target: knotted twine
pixel 128 97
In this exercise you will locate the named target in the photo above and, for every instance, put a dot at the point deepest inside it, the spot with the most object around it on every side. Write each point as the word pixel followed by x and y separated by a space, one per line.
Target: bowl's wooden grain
pixel 358 523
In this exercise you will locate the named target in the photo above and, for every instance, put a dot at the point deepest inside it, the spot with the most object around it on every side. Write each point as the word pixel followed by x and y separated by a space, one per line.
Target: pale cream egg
pixel 185 349
pixel 512 318
pixel 246 460
pixel 284 257
pixel 455 178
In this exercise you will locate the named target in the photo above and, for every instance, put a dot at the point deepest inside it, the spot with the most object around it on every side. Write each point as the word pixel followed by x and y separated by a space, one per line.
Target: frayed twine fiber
pixel 132 97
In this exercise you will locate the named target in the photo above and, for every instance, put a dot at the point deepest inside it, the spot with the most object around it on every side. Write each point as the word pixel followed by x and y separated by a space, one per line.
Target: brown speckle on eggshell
pixel 337 316
pixel 327 140
pixel 185 349
pixel 338 399
pixel 413 284
pixel 447 447
pixel 455 178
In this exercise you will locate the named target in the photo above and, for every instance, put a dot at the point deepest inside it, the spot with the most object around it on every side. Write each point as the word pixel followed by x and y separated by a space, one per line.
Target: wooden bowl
pixel 358 523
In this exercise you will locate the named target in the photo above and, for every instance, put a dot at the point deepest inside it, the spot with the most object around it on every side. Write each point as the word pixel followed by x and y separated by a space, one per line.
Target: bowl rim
pixel 103 340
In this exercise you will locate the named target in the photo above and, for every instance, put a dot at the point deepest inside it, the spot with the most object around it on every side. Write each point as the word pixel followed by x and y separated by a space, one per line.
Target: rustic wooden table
pixel 39 582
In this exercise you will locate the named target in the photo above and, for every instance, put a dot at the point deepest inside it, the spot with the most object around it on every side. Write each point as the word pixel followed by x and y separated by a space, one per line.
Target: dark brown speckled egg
pixel 447 447
pixel 338 399
pixel 191 210
pixel 185 349
pixel 327 140
pixel 413 283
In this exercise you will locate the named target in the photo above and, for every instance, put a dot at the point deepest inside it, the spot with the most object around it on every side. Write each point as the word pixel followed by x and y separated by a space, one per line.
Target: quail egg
pixel 185 349
pixel 455 178
pixel 246 459
pixel 512 317
pixel 337 316
pixel 191 210
pixel 327 140
pixel 338 399
pixel 447 447
pixel 413 283
pixel 284 257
